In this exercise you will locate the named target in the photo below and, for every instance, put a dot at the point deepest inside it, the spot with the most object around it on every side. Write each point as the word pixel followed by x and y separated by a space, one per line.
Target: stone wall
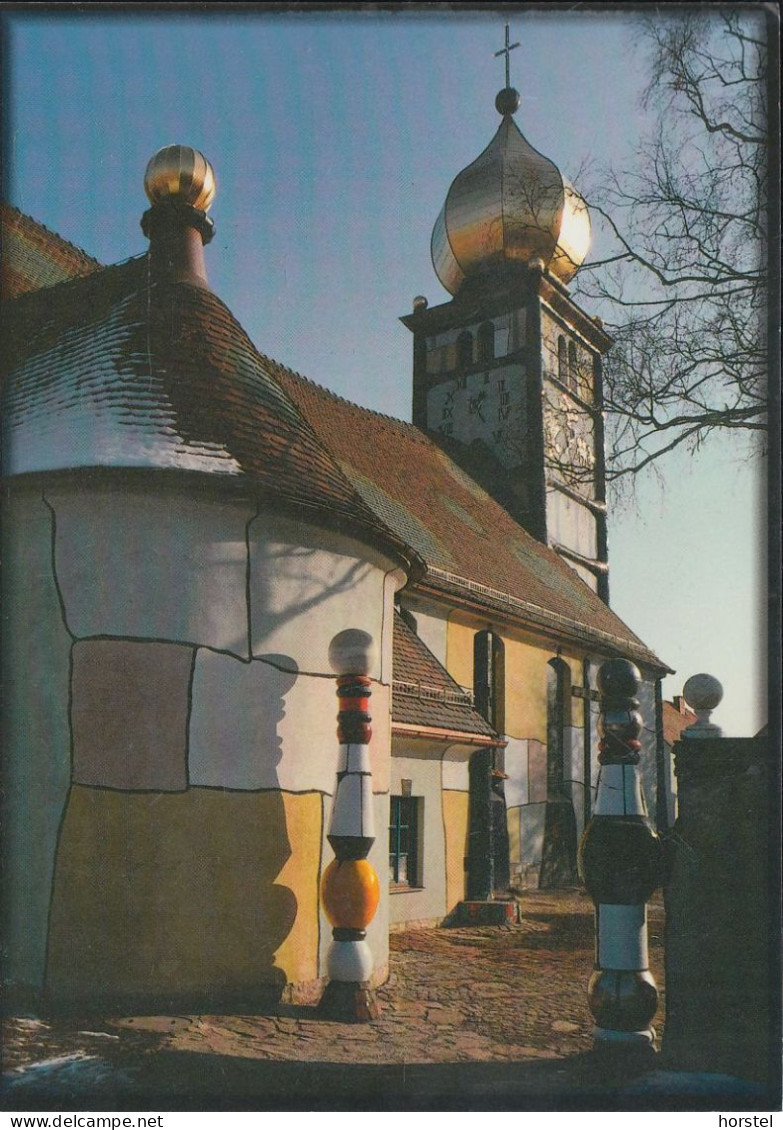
pixel 722 987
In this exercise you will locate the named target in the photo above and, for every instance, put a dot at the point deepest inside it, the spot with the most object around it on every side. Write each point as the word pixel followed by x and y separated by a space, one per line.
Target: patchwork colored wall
pixel 171 740
pixel 525 757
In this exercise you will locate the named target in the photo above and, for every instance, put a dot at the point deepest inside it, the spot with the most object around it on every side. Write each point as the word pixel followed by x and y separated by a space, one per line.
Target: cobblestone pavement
pixel 479 995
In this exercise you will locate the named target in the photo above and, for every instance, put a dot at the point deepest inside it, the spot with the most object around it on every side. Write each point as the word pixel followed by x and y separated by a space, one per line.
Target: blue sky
pixel 334 139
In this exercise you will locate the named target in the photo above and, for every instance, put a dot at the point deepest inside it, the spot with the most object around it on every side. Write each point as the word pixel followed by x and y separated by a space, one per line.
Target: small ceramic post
pixel 349 889
pixel 619 860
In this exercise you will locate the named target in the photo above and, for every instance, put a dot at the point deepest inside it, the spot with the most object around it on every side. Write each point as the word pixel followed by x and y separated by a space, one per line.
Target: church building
pixel 187 526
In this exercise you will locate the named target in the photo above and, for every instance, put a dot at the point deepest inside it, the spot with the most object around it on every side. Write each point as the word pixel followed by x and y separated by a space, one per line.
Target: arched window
pixel 558 698
pixel 558 852
pixel 562 360
pixel 485 343
pixel 489 677
pixel 488 841
pixel 464 349
pixel 573 368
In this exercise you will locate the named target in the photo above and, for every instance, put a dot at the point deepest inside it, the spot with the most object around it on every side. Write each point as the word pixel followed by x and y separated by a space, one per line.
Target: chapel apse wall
pixel 171 742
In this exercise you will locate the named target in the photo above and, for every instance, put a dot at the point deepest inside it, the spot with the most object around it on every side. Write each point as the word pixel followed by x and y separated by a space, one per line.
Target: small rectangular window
pixel 404 829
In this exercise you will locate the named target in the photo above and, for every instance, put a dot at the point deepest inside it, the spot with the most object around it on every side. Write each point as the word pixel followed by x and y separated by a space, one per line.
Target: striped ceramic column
pixel 349 889
pixel 619 860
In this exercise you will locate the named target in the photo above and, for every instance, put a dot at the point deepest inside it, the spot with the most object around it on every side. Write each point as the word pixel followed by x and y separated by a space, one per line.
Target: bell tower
pixel 508 372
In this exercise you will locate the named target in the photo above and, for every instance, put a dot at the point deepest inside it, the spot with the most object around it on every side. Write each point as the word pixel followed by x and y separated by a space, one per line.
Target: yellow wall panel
pixel 526 681
pixel 459 652
pixel 297 954
pixel 526 677
pixel 455 822
pixel 202 894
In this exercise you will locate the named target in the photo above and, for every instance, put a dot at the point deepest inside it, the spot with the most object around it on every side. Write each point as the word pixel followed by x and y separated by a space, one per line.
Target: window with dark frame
pixel 465 350
pixel 562 360
pixel 404 841
pixel 485 342
pixel 573 368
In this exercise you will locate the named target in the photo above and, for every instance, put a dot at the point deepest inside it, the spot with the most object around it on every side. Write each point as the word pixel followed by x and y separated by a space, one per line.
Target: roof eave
pixel 455 737
pixel 558 632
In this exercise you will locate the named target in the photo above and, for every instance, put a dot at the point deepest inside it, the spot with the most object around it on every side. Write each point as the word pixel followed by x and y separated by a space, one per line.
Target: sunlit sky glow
pixel 334 139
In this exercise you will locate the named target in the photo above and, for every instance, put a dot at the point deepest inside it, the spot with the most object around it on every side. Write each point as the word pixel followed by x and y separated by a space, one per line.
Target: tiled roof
pixel 473 548
pixel 424 694
pixel 675 721
pixel 34 257
pixel 114 370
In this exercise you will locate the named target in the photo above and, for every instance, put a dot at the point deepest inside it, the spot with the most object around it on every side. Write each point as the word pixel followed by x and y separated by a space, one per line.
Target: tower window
pixel 573 368
pixel 562 360
pixel 485 342
pixel 464 349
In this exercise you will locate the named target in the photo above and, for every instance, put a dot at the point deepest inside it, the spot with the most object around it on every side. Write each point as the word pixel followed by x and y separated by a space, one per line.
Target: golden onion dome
pixel 178 172
pixel 512 205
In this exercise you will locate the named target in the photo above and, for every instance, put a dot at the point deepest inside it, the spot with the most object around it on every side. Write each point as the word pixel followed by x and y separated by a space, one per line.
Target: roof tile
pixel 459 529
pixel 424 693
pixel 34 257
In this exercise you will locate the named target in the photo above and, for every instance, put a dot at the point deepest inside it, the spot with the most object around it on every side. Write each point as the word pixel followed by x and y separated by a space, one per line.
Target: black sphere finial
pixel 507 101
pixel 618 678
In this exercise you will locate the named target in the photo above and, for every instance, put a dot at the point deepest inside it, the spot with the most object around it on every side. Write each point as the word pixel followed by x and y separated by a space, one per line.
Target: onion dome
pixel 511 206
pixel 178 172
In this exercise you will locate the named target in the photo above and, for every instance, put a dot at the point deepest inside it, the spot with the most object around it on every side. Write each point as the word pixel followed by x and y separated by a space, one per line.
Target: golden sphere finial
pixel 181 173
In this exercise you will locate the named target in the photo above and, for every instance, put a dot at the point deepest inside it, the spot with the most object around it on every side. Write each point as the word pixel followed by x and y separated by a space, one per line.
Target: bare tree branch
pixel 683 283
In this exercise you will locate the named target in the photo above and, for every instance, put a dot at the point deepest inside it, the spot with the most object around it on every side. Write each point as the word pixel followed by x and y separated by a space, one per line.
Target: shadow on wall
pixel 169 900
pixel 173 899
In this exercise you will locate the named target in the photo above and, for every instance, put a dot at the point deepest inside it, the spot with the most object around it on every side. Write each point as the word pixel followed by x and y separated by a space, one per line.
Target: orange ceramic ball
pixel 350 892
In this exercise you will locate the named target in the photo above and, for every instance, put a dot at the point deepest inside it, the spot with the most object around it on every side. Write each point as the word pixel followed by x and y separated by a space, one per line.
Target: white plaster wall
pixel 571 524
pixel 516 766
pixel 393 581
pixel 574 769
pixel 253 726
pixel 454 770
pixel 531 834
pixel 574 745
pixel 307 585
pixel 160 565
pixel 431 628
pixel 429 902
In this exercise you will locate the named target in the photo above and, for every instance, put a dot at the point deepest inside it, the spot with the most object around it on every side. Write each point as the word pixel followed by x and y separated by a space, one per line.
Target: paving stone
pixel 478 994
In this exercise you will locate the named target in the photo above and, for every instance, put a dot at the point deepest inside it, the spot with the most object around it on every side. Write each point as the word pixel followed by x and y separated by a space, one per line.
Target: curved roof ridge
pixel 288 372
pixel 59 288
pixel 139 372
pixel 35 227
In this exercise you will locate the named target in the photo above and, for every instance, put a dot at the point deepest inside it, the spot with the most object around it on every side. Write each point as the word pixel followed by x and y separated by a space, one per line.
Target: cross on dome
pixel 507 52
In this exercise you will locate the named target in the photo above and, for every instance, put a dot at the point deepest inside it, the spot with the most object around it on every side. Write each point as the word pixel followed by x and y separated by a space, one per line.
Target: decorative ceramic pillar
pixel 702 693
pixel 619 861
pixel 349 889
